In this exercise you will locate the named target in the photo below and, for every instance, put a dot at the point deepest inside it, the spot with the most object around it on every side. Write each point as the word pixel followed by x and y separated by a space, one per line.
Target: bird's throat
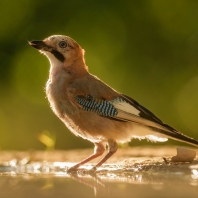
pixel 58 55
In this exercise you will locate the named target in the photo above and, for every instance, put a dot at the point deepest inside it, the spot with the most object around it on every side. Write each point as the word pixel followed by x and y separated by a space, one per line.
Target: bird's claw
pixel 75 170
pixel 93 170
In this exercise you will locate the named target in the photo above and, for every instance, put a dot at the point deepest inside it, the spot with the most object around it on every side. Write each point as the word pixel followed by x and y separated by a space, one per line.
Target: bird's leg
pixel 112 148
pixel 98 150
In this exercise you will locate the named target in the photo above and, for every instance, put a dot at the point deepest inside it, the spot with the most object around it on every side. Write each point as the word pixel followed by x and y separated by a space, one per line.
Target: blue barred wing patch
pixel 103 107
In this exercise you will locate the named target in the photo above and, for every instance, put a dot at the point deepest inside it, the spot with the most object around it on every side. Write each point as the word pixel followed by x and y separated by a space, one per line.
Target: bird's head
pixel 59 49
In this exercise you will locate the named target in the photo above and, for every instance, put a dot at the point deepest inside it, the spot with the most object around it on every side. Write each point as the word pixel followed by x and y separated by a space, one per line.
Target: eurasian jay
pixel 93 110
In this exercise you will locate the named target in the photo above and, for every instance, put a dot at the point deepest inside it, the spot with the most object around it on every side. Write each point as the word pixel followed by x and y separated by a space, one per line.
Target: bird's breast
pixel 56 92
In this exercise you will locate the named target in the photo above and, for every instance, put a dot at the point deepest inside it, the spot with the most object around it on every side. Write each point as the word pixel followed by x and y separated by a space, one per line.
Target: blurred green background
pixel 145 49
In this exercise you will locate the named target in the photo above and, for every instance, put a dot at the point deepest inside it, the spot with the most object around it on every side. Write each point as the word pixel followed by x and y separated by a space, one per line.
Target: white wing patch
pixel 128 112
pixel 120 104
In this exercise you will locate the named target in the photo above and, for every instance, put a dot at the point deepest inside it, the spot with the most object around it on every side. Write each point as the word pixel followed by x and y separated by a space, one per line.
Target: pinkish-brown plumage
pixel 90 108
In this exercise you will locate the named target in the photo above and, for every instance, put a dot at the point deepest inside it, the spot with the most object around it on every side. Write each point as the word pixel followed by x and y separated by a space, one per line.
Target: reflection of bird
pixel 93 110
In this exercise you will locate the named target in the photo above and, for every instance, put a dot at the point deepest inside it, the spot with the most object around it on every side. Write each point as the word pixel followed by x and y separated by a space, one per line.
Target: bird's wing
pixel 122 108
pixel 99 98
pixel 94 95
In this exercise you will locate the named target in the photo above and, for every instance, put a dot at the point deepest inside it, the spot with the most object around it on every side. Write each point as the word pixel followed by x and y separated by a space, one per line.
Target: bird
pixel 93 110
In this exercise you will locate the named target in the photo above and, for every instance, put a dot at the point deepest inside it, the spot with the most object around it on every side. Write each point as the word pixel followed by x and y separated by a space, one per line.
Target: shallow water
pixel 133 177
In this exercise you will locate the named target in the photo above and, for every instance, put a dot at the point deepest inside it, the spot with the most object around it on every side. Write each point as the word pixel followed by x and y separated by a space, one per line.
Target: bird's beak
pixel 40 45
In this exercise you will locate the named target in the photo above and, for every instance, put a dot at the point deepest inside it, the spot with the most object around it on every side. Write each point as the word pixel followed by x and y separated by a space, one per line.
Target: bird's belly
pixel 96 128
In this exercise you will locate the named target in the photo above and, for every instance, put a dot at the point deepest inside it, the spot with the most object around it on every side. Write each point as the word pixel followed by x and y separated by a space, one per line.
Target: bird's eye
pixel 63 44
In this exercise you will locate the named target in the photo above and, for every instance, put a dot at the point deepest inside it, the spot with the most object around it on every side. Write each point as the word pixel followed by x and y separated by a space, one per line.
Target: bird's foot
pixel 93 170
pixel 74 170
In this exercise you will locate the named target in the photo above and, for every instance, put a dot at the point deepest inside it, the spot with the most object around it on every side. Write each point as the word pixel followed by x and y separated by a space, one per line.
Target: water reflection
pixel 43 179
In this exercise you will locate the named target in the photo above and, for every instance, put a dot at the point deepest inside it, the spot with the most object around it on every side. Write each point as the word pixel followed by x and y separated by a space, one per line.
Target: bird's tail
pixel 177 136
